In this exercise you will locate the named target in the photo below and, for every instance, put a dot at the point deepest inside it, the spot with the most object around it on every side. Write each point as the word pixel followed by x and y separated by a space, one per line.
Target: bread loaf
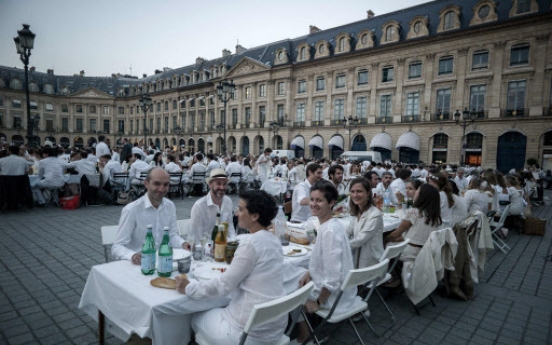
pixel 298 240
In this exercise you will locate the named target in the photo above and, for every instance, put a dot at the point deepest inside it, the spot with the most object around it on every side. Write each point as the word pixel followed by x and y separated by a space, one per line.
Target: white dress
pixel 366 237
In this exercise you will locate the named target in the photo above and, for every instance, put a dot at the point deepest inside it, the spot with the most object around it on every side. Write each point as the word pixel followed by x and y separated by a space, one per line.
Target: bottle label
pixel 220 250
pixel 148 262
pixel 165 264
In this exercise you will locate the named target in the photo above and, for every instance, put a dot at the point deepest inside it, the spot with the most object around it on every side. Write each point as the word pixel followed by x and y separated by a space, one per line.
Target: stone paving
pixel 46 254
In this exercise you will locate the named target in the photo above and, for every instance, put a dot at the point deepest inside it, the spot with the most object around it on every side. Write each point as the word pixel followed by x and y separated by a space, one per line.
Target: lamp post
pixel 220 129
pixel 225 92
pixel 349 124
pixel 177 130
pixel 24 43
pixel 275 126
pixel 468 118
pixel 145 104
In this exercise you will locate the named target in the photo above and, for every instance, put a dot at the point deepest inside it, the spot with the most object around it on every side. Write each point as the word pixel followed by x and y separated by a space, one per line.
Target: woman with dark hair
pixel 411 188
pixel 157 161
pixel 419 221
pixel 502 192
pixel 331 258
pixel 453 209
pixel 366 228
pixel 255 276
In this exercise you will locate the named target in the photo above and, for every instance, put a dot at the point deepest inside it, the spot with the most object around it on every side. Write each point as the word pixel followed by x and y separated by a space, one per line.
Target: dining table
pixel 275 186
pixel 122 300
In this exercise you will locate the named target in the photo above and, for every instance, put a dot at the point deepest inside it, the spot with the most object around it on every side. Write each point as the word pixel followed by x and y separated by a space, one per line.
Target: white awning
pixel 316 141
pixel 410 140
pixel 209 140
pixel 298 142
pixel 382 140
pixel 336 142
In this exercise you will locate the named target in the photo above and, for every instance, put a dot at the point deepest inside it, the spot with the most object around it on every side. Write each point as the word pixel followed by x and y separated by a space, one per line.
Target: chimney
pixel 81 73
pixel 370 13
pixel 158 71
pixel 226 52
pixel 240 49
pixel 165 69
pixel 50 72
pixel 32 68
pixel 313 29
pixel 199 60
pixel 144 75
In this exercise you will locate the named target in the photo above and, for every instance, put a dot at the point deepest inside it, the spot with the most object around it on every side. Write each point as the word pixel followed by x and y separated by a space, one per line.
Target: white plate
pixel 286 250
pixel 208 270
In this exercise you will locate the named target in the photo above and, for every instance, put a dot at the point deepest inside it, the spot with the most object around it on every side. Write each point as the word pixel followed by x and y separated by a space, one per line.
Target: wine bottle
pixel 220 245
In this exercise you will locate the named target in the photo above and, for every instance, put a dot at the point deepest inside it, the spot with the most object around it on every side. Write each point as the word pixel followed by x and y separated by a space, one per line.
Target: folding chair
pixel 176 181
pixel 391 253
pixel 361 276
pixel 119 182
pixel 496 227
pixel 269 311
pixel 198 179
pixel 184 226
pixel 139 186
pixel 109 234
pixel 233 186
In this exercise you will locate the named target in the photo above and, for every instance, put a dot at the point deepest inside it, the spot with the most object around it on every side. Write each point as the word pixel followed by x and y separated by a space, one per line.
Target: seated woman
pixel 411 188
pixel 515 213
pixel 331 258
pixel 502 192
pixel 453 208
pixel 475 198
pixel 418 222
pixel 366 228
pixel 255 276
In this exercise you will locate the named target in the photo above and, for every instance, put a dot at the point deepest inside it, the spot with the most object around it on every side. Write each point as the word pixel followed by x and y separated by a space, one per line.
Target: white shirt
pixel 64 158
pixel 381 189
pixel 423 173
pixel 83 167
pixel 300 212
pixel 13 165
pixel 204 216
pixel 255 276
pixel 461 183
pixel 476 201
pixel 102 149
pixel 111 168
pixel 172 167
pixel 116 156
pixel 197 168
pixel 133 223
pixel 398 185
pixel 138 151
pixel 331 260
pixel 51 169
pixel 211 166
pixel 138 167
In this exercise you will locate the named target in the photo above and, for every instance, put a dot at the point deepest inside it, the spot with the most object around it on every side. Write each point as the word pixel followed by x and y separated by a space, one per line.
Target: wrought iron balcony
pixel 299 124
pixel 442 116
pixel 232 126
pixel 384 119
pixel 521 112
pixel 410 118
pixel 317 123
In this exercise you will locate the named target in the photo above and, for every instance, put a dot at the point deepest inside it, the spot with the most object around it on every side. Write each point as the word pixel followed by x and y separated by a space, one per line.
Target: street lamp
pixel 220 129
pixel 145 104
pixel 349 124
pixel 469 118
pixel 36 122
pixel 24 43
pixel 225 92
pixel 275 126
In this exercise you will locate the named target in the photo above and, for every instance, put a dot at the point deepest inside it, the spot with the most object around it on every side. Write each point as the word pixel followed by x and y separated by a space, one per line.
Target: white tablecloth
pixel 275 187
pixel 68 178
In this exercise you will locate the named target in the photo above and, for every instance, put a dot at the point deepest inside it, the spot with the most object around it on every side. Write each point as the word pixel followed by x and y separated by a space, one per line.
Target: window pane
pixel 412 103
pixel 445 65
pixel 319 111
pixel 443 101
pixel 480 60
pixel 361 107
pixel 516 95
pixel 339 110
pixel 519 55
pixel 388 74
pixel 477 97
pixel 449 20
pixel 415 70
pixel 362 77
pixel 340 81
pixel 300 116
pixel 385 106
pixel 320 84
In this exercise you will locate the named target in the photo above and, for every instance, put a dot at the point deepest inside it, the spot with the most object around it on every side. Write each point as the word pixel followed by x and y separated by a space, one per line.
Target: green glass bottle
pixel 215 229
pixel 164 267
pixel 148 253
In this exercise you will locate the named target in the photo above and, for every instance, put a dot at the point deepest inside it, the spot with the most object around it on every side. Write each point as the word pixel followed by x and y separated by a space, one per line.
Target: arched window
pixel 342 44
pixel 303 53
pixel 364 39
pixel 449 20
pixel 16 84
pixel 390 33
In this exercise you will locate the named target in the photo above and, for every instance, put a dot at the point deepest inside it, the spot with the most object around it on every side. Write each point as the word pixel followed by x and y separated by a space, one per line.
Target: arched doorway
pixel 157 143
pixel 440 147
pixel 260 144
pixel 52 139
pixel 546 163
pixel 409 148
pixel 316 144
pixel 78 142
pixel 381 143
pixel 474 147
pixel 182 142
pixel 279 143
pixel 510 153
pixel 201 145
pixel 298 146
pixel 191 144
pixel 359 143
pixel 173 142
pixel 231 146
pixel 17 140
pixel 336 145
pixel 91 141
pixel 165 143
pixel 245 146
pixel 64 142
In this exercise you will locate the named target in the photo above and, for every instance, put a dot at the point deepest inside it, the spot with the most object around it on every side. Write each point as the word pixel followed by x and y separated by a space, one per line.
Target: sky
pixel 135 37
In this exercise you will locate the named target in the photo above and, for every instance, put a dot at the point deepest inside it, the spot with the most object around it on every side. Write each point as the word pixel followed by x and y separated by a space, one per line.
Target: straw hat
pixel 216 174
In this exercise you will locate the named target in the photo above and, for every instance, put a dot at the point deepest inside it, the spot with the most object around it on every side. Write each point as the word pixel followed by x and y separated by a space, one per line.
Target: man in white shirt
pixel 300 202
pixel 171 166
pixel 234 168
pixel 101 147
pixel 263 164
pixel 65 156
pixel 111 167
pixel 460 180
pixel 423 172
pixel 50 174
pixel 139 151
pixel 150 156
pixel 213 163
pixel 335 175
pixel 83 166
pixel 385 187
pixel 399 184
pixel 115 155
pixel 204 212
pixel 13 165
pixel 152 208
pixel 137 166
pixel 198 168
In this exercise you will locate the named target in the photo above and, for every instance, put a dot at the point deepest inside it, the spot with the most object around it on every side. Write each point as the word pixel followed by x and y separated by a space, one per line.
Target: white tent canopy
pixel 298 142
pixel 410 140
pixel 336 142
pixel 382 140
pixel 316 141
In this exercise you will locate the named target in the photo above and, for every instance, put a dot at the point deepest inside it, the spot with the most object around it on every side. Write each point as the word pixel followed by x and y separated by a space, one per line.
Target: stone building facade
pixel 400 78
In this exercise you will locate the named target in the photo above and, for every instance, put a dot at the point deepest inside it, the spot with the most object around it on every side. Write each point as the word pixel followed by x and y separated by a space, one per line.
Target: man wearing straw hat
pixel 204 212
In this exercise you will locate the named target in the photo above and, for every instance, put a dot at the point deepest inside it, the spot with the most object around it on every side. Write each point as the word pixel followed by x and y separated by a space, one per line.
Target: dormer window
pixel 281 56
pixel 322 49
pixel 303 53
pixel 365 39
pixel 449 18
pixel 390 31
pixel 342 43
pixel 520 7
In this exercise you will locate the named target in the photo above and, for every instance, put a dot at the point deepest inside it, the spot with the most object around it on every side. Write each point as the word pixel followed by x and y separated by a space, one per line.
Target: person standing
pixel 101 147
pixel 263 164
pixel 300 200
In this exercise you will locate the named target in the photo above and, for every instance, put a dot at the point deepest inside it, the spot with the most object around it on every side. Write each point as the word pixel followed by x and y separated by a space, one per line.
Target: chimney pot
pixel 370 14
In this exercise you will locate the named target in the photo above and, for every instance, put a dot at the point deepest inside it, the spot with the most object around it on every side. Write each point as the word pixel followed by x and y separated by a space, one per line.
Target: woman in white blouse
pixel 255 276
pixel 366 228
pixel 475 198
pixel 453 208
pixel 331 258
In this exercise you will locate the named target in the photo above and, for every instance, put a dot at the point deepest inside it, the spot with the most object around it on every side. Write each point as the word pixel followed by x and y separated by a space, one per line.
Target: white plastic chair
pixel 391 253
pixel 109 233
pixel 268 311
pixel 497 226
pixel 361 276
pixel 184 226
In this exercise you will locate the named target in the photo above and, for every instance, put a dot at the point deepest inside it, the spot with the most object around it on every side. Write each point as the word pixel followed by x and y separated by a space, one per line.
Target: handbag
pixel 123 198
pixel 535 226
pixel 70 202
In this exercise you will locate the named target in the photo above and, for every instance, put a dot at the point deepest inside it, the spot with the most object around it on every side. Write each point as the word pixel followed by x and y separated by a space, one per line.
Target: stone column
pixel 373 93
pixel 495 90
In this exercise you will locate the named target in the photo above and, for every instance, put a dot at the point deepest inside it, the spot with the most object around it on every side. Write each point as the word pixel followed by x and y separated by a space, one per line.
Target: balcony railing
pixel 410 118
pixel 299 124
pixel 384 119
pixel 363 121
pixel 232 126
pixel 546 111
pixel 190 129
pixel 317 123
pixel 445 116
pixel 336 122
pixel 505 113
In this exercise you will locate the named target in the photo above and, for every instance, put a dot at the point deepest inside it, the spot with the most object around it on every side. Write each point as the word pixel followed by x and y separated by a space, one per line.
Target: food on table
pixel 298 240
pixel 164 283
pixel 221 269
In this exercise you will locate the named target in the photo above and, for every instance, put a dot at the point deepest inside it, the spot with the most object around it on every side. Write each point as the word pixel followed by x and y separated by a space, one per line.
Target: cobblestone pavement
pixel 46 254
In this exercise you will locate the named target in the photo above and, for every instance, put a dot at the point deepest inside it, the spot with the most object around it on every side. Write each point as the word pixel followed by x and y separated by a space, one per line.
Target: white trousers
pixel 44 184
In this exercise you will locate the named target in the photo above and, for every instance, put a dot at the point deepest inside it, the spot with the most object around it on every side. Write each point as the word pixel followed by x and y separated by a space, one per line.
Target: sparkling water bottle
pixel 148 253
pixel 165 256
